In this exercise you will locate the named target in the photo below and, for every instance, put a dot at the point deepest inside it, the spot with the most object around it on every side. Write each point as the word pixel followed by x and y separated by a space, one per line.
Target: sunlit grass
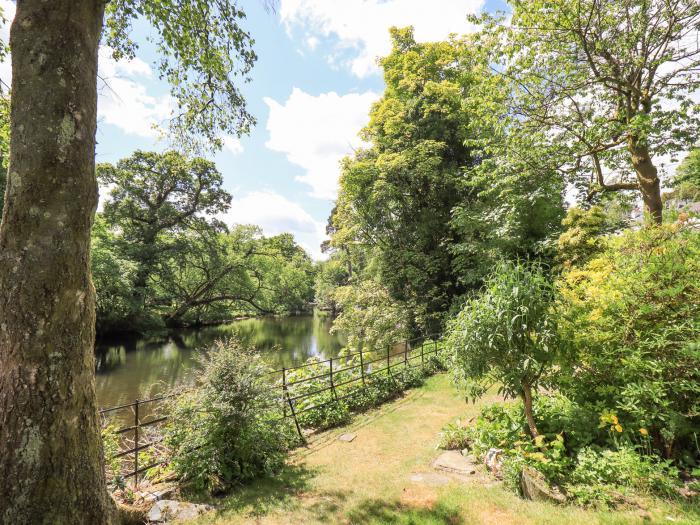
pixel 368 481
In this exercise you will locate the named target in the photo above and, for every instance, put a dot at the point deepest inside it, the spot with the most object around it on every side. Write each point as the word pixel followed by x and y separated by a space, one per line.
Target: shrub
pixel 624 467
pixel 601 475
pixel 227 430
pixel 455 436
pixel 592 474
pixel 585 230
pixel 631 316
pixel 507 335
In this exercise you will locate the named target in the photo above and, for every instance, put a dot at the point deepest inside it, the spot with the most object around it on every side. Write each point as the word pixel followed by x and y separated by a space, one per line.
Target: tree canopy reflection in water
pixel 129 367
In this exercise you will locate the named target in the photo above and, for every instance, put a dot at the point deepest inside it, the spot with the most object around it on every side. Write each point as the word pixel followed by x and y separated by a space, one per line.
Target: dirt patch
pixel 418 497
pixel 495 516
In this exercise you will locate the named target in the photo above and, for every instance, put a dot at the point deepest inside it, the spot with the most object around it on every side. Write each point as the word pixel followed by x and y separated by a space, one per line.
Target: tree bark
pixel 527 402
pixel 50 447
pixel 648 178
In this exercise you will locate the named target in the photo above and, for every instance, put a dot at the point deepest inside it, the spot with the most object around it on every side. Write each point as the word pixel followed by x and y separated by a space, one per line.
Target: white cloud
pixel 312 42
pixel 124 100
pixel 233 144
pixel 316 132
pixel 276 214
pixel 360 27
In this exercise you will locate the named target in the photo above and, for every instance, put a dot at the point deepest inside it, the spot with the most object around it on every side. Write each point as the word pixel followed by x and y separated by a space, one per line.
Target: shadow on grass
pixel 283 492
pixel 394 513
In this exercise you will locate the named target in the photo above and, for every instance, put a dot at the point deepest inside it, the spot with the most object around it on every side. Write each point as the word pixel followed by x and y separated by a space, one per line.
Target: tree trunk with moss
pixel 50 447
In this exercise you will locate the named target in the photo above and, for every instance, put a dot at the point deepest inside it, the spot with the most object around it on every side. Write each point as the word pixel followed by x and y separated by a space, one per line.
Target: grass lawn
pixel 368 479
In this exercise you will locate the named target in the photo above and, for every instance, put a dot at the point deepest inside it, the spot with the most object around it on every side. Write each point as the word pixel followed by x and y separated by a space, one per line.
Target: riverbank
pixel 385 476
pixel 166 329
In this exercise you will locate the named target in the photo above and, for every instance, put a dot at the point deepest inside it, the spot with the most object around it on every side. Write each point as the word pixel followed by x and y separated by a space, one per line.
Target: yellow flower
pixel 618 428
pixel 643 431
pixel 615 421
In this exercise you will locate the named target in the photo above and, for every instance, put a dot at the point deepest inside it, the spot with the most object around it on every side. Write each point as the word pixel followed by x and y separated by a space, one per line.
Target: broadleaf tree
pixel 50 446
pixel 156 194
pixel 610 84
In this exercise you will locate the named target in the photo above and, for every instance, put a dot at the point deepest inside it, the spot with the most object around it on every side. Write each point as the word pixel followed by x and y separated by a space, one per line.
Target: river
pixel 130 367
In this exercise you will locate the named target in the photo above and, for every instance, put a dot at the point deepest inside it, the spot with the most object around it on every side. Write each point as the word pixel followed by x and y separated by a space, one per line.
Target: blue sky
pixel 312 88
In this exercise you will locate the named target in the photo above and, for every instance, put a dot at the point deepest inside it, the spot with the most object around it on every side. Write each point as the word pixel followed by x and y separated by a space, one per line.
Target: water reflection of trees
pixel 131 367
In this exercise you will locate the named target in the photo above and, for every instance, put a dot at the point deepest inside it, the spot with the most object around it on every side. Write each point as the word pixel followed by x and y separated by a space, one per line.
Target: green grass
pixel 368 481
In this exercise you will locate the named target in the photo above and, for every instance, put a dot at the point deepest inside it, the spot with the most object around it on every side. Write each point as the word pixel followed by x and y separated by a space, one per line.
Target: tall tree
pixel 396 197
pixel 155 195
pixel 609 82
pixel 50 447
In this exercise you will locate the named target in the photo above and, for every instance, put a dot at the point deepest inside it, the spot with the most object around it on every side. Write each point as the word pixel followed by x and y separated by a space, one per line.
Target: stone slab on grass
pixel 170 510
pixel 432 479
pixel 454 461
pixel 348 437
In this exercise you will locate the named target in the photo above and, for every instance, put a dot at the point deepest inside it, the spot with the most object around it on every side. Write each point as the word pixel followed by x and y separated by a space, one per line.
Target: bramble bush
pixel 227 430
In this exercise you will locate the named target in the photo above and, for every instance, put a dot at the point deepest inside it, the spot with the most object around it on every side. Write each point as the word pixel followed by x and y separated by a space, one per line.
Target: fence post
pixel 422 355
pixel 362 368
pixel 296 421
pixel 335 394
pixel 436 348
pixel 405 353
pixel 388 362
pixel 136 443
pixel 284 391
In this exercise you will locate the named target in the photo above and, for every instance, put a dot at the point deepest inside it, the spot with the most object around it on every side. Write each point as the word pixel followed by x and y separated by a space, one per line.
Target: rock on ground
pixel 535 487
pixel 169 510
pixel 454 461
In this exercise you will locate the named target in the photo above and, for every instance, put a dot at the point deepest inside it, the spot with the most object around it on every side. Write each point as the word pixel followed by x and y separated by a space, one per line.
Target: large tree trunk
pixel 648 178
pixel 51 464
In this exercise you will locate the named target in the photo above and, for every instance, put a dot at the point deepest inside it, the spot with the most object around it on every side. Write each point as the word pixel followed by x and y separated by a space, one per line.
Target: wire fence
pixel 341 378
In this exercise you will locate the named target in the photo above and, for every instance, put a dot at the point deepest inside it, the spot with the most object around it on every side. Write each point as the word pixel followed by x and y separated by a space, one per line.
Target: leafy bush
pixel 369 317
pixel 110 447
pixel 602 476
pixel 584 236
pixel 315 403
pixel 455 436
pixel 227 430
pixel 507 335
pixel 631 316
pixel 591 474
pixel 624 467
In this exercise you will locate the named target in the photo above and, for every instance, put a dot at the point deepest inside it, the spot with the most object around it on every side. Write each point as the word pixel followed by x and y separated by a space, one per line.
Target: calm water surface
pixel 136 367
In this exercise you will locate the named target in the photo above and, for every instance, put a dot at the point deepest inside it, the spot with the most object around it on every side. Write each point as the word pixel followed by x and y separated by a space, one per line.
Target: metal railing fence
pixel 349 369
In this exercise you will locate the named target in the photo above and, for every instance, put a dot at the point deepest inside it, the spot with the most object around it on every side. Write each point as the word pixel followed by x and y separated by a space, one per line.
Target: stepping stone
pixel 347 437
pixel 430 478
pixel 169 510
pixel 454 461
